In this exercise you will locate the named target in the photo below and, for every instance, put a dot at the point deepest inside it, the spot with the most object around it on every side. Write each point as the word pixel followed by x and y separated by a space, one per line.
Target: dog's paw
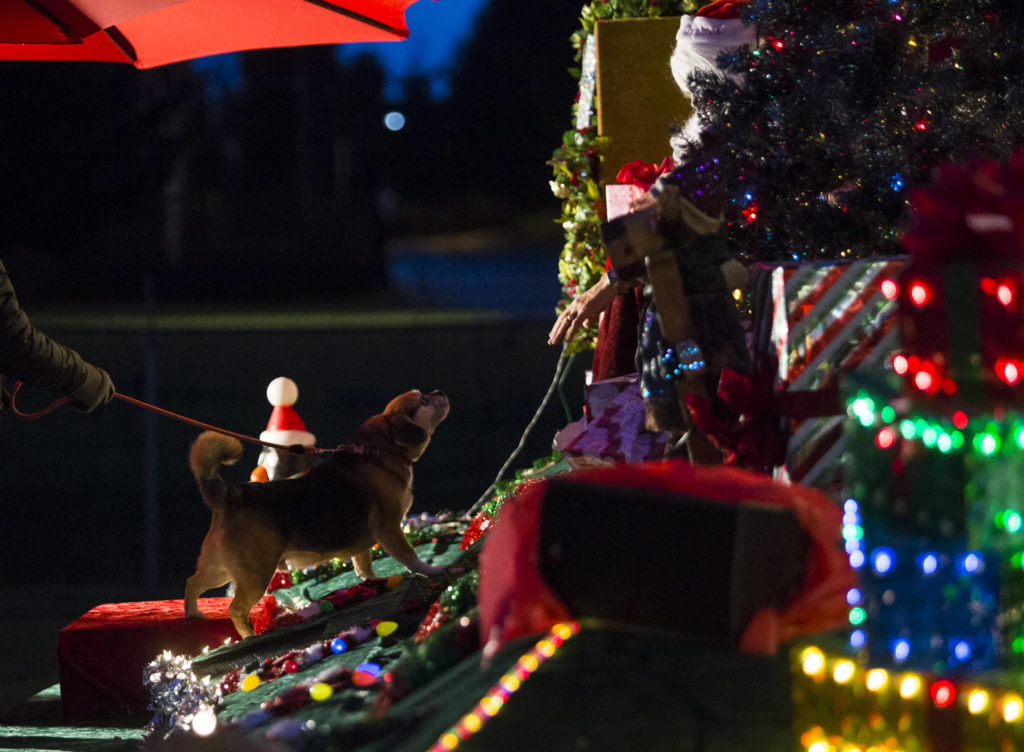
pixel 196 615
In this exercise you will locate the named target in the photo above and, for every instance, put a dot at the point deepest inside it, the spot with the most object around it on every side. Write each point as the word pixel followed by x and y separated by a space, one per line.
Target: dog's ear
pixel 405 432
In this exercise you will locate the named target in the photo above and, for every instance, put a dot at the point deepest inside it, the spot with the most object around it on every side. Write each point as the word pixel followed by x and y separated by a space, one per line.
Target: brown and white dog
pixel 356 497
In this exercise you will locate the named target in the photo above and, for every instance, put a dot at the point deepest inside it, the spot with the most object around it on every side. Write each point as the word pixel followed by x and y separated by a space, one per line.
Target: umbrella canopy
pixel 149 33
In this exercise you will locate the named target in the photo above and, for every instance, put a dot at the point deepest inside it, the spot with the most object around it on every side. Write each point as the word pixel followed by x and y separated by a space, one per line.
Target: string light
pixel 943 693
pixel 492 703
pixel 1012 708
pixel 920 294
pixel 871 726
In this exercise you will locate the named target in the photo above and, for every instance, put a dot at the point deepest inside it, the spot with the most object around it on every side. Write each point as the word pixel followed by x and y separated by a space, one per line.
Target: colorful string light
pixel 492 702
pixel 884 723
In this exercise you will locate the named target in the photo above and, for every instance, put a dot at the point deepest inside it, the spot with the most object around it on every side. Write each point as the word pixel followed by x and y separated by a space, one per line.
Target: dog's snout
pixel 437 393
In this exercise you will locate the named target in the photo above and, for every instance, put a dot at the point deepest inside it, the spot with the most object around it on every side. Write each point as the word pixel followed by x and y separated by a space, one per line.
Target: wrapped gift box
pixel 818 320
pixel 618 198
pixel 637 98
pixel 612 427
pixel 101 654
pixel 934 505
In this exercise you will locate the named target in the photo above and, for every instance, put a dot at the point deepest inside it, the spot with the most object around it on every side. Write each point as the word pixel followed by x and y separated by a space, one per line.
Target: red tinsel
pixel 280 580
pixel 361 592
pixel 436 617
pixel 476 530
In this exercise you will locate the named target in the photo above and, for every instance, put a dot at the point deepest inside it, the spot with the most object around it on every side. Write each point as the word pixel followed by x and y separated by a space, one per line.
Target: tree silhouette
pixel 509 101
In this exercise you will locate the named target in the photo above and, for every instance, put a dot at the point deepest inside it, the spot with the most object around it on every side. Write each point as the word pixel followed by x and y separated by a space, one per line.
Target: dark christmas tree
pixel 847 105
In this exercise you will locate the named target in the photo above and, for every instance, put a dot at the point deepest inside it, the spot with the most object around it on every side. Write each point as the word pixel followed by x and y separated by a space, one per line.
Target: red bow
pixel 756 432
pixel 641 174
pixel 754 436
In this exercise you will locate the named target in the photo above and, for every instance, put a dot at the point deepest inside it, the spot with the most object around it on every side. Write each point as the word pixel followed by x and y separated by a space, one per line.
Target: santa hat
pixel 285 426
pixel 713 29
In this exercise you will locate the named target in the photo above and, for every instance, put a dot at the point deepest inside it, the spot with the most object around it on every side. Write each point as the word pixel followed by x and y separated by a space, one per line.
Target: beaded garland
pixel 685 357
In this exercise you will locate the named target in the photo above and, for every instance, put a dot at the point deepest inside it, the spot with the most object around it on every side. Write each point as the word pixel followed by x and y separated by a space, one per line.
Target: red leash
pixel 293 448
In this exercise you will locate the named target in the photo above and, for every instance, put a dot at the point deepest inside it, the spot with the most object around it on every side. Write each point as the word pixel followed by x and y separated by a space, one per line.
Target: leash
pixel 293 448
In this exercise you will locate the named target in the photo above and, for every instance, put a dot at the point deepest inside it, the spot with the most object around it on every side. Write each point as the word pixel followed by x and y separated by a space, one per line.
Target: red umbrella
pixel 148 33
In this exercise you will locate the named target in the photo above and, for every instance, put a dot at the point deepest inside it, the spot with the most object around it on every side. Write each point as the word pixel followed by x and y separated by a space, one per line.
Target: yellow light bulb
pixel 843 671
pixel 1012 708
pixel 877 679
pixel 812 661
pixel 910 685
pixel 977 701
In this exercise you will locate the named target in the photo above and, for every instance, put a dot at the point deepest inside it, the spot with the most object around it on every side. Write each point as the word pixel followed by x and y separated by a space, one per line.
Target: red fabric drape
pixel 515 601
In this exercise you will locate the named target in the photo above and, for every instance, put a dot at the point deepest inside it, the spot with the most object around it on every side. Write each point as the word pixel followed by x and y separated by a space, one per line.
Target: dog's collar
pixel 370 451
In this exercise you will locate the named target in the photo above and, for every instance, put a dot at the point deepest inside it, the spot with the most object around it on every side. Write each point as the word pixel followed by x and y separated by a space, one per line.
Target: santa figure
pixel 284 427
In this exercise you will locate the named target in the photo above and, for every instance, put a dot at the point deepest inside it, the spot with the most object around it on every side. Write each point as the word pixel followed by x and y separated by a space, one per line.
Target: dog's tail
pixel 209 451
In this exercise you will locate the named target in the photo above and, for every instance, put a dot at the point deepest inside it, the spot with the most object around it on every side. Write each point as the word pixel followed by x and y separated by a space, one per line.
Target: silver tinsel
pixel 179 700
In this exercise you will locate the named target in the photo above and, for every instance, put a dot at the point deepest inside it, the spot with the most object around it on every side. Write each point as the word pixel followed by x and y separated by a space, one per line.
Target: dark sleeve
pixel 28 355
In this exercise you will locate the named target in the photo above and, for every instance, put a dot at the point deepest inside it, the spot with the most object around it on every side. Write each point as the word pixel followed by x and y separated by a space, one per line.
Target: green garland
pixel 576 165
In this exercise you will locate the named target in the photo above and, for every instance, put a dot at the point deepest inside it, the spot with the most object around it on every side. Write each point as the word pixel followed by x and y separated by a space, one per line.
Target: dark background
pixel 274 228
pixel 287 181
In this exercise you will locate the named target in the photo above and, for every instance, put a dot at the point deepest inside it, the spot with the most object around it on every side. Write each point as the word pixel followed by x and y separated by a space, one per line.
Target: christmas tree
pixel 846 106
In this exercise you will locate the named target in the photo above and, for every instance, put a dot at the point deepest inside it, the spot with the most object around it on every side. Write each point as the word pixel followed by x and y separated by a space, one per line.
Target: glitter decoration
pixel 179 700
pixel 588 84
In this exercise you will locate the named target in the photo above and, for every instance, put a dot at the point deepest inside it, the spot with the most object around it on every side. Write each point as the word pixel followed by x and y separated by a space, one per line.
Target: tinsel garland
pixel 457 600
pixel 178 697
pixel 576 163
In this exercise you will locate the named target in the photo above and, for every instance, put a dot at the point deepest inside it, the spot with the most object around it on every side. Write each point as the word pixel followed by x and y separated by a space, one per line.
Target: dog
pixel 356 497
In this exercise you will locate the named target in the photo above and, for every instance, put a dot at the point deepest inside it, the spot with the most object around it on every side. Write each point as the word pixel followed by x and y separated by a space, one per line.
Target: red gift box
pixel 101 655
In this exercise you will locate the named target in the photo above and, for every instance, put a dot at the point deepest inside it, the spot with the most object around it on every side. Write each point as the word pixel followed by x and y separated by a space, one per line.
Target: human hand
pixel 96 390
pixel 584 310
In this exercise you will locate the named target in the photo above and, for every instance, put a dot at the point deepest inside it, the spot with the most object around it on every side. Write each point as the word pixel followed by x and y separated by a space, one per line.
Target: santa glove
pixel 96 390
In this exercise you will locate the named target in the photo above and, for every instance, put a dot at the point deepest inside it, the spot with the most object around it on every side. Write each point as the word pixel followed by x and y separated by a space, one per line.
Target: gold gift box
pixel 637 98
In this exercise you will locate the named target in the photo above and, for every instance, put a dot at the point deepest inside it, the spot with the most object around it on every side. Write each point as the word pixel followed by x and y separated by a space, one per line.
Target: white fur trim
pixel 289 437
pixel 699 42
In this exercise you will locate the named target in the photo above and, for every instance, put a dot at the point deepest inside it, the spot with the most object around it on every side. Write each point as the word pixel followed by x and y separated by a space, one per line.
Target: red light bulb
pixel 920 294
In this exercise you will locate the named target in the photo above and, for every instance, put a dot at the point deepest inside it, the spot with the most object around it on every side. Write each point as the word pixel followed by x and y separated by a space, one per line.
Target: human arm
pixel 28 355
